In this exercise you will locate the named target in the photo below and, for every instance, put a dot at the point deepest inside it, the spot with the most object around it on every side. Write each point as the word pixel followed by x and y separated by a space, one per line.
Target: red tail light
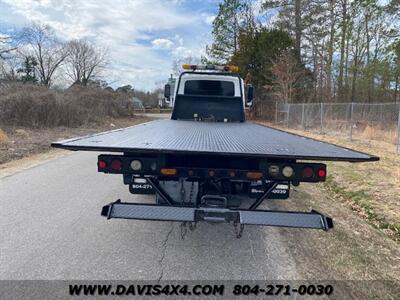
pixel 211 173
pixel 102 164
pixel 116 165
pixel 321 173
pixel 307 172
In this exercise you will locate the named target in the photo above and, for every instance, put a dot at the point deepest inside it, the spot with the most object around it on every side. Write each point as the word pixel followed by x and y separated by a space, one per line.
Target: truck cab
pixel 206 93
pixel 212 94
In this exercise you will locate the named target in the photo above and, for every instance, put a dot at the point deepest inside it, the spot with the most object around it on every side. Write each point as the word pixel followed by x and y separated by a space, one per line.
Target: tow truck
pixel 207 163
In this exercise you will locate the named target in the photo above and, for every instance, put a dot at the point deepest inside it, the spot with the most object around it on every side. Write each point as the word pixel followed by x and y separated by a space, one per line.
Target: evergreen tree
pixel 257 51
pixel 28 70
pixel 233 15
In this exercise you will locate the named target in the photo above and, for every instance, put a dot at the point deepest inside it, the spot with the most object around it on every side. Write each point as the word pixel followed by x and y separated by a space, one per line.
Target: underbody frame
pixel 213 189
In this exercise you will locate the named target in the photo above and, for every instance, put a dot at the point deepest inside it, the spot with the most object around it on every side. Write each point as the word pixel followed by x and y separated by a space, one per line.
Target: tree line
pixel 312 50
pixel 34 54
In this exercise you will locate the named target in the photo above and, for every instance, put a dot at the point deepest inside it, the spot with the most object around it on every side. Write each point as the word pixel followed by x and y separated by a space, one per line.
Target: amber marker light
pixel 168 172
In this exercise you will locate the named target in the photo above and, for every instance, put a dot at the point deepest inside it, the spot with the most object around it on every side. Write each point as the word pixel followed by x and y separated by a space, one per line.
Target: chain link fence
pixel 364 121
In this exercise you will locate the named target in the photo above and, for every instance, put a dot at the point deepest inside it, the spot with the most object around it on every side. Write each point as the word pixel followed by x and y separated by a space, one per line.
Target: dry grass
pixel 353 252
pixel 376 133
pixel 27 141
pixel 37 106
pixel 3 137
pixel 364 131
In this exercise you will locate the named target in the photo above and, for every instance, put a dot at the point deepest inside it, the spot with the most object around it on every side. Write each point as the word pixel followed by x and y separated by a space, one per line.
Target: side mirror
pixel 167 91
pixel 250 95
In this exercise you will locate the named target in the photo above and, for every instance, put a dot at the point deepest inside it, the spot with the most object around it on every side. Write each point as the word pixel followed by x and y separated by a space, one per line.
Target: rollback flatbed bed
pixel 217 170
pixel 211 138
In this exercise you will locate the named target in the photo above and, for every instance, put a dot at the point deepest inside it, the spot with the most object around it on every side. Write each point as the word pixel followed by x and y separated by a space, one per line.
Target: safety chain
pixel 183 230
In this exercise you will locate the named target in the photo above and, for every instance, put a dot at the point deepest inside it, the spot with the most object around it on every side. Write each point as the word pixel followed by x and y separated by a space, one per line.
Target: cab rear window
pixel 209 87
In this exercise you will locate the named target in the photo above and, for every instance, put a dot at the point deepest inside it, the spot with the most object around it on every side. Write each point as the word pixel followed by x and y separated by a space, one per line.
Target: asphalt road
pixel 51 228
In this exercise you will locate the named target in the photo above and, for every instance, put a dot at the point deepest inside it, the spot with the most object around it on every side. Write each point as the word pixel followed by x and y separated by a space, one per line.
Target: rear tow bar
pixel 313 219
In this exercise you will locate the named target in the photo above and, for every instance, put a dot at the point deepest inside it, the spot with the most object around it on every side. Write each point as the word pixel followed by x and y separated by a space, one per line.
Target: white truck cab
pixel 211 82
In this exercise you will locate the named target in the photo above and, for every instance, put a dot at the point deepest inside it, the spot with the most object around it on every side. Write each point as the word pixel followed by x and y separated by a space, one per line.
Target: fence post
pixel 287 115
pixel 398 132
pixel 351 121
pixel 322 116
pixel 302 117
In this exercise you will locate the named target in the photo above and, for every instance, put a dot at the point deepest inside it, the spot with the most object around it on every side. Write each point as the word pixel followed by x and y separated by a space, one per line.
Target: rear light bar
pixel 305 172
pixel 295 172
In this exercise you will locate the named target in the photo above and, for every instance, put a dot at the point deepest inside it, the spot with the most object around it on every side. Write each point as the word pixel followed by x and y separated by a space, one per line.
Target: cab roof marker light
pixel 233 68
pixel 226 68
pixel 189 67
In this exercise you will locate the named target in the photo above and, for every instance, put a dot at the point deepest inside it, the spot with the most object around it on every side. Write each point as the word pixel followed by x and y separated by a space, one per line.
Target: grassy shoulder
pixel 21 141
pixel 372 189
pixel 353 254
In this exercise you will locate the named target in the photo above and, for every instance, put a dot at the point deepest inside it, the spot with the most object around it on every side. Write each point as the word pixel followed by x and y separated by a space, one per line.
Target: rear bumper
pixel 153 212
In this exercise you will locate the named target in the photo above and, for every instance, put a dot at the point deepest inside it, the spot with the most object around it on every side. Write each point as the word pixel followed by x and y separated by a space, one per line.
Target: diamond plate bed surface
pixel 246 139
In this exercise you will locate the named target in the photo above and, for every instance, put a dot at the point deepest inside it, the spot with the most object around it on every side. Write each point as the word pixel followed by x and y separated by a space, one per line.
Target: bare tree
pixel 84 61
pixel 8 59
pixel 286 74
pixel 343 24
pixel 178 62
pixel 5 46
pixel 41 43
pixel 9 67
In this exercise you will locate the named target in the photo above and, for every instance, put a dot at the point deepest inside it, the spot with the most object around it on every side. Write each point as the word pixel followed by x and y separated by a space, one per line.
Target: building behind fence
pixel 372 121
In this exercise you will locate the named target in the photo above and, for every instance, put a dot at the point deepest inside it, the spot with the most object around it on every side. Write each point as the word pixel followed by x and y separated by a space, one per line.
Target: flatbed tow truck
pixel 207 163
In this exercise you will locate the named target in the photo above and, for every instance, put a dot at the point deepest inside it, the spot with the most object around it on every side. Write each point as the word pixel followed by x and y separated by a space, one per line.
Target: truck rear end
pixel 207 163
